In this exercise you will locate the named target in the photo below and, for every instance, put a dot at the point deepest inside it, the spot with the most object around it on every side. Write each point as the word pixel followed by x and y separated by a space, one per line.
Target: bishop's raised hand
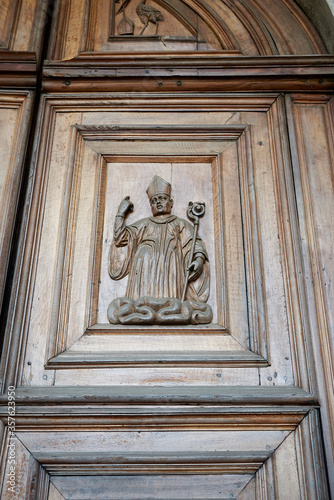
pixel 125 206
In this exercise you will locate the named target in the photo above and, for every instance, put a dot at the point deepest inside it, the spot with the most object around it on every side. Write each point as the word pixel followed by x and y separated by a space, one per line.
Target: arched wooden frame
pixel 245 26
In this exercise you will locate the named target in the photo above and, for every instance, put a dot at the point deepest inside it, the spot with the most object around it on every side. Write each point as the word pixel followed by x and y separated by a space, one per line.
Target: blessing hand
pixel 125 206
pixel 196 268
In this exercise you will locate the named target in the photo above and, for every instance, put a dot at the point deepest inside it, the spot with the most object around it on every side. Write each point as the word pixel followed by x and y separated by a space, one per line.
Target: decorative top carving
pixel 146 13
pixel 166 261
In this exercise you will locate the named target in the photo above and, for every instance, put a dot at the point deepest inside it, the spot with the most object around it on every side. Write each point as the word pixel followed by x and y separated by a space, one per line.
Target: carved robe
pixel 155 255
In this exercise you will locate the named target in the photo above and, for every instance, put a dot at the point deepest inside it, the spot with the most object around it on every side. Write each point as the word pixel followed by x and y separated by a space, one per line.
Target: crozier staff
pixel 157 250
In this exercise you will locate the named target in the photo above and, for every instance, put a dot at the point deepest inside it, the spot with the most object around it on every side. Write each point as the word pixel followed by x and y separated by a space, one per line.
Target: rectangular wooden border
pixel 58 357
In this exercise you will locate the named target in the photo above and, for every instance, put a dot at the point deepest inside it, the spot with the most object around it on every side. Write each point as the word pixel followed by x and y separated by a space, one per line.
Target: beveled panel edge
pixel 174 100
pixel 244 359
pixel 147 417
pixel 161 133
pixel 108 329
pixel 152 463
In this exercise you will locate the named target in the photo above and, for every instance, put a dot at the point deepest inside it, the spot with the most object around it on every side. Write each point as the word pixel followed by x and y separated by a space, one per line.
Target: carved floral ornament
pixel 166 262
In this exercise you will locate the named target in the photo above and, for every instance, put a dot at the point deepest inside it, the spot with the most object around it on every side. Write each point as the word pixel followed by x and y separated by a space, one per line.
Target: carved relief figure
pixel 146 13
pixel 126 26
pixel 163 287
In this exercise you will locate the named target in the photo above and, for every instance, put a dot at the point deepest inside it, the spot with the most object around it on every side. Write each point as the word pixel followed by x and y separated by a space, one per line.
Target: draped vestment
pixel 155 252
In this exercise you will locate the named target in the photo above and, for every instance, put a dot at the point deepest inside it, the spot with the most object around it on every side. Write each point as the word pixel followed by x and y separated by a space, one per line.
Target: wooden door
pixel 232 408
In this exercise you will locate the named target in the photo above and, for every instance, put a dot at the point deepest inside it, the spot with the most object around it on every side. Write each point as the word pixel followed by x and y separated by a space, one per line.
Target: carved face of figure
pixel 161 204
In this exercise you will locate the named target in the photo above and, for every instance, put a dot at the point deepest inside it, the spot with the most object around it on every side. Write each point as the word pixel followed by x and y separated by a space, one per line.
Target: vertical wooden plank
pixel 288 233
pixel 276 322
pixel 11 366
pixel 102 12
pixel 286 471
pixel 15 117
pixel 24 25
pixel 47 252
pixel 265 481
pixel 8 120
pixel 81 233
pixel 28 29
pixel 311 132
pixel 74 29
pixel 8 11
pixel 236 296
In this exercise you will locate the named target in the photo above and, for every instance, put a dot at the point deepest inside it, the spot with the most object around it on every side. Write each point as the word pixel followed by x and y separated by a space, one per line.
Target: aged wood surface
pixel 26 474
pixel 15 119
pixel 85 146
pixel 178 417
pixel 54 493
pixel 276 459
pixel 22 25
pixel 157 394
pixel 276 352
pixel 18 69
pixel 188 72
pixel 148 487
pixel 237 408
pixel 87 26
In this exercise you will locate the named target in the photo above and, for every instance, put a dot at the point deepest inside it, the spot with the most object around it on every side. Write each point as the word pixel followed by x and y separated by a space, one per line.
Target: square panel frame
pixel 98 138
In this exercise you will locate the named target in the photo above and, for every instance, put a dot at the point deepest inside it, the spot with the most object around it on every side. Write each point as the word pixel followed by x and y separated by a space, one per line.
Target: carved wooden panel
pixel 236 158
pixel 191 464
pixel 15 116
pixel 186 26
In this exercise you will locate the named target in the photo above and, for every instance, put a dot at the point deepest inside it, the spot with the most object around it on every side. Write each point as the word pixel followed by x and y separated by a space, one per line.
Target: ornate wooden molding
pixel 161 133
pixel 154 417
pixel 152 463
pixel 223 395
pixel 189 72
pixel 133 359
pixel 18 69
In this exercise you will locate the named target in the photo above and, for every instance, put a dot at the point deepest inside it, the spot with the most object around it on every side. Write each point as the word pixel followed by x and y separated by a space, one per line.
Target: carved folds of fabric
pixel 155 254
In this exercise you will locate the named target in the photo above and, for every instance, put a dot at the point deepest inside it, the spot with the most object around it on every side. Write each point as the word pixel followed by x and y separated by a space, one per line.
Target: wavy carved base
pixel 151 311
